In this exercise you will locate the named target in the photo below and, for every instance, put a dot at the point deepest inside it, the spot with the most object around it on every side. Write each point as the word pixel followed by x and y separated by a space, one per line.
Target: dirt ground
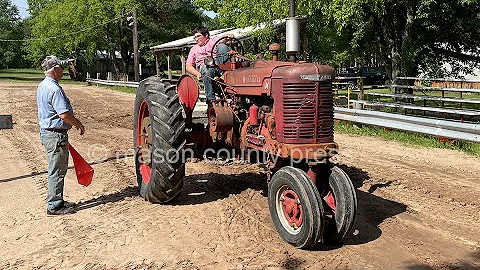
pixel 418 208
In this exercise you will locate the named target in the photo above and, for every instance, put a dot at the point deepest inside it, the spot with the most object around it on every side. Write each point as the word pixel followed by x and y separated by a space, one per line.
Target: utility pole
pixel 135 47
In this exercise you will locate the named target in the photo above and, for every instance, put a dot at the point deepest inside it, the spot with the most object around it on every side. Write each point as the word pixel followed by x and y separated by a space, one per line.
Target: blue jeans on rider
pixel 56 148
pixel 208 73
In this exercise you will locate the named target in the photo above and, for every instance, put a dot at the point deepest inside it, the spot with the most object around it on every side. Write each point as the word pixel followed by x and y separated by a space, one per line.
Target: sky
pixel 23 6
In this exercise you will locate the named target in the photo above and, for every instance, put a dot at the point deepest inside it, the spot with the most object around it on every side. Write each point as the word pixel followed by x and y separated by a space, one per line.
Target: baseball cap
pixel 51 61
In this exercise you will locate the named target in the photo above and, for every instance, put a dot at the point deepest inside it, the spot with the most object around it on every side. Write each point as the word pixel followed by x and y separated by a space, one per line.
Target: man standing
pixel 197 55
pixel 55 116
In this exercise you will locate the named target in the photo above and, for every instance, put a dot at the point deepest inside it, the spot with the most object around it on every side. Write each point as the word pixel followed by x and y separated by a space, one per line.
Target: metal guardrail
pixel 113 83
pixel 442 128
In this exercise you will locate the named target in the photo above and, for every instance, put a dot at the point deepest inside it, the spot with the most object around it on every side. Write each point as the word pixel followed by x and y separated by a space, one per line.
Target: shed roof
pixel 239 33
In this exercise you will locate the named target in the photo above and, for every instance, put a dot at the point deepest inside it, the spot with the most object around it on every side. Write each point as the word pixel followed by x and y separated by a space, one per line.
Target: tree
pixel 35 6
pixel 81 27
pixel 92 26
pixel 167 21
pixel 11 28
pixel 414 34
pixel 403 35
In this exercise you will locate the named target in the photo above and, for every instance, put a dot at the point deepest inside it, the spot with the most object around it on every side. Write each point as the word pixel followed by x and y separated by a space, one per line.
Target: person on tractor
pixel 195 61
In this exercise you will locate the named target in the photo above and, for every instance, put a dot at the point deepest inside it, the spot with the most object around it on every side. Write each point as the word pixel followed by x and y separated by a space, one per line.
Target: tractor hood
pixel 257 79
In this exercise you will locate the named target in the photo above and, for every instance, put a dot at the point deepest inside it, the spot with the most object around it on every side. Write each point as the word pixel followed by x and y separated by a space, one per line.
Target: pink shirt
pixel 198 53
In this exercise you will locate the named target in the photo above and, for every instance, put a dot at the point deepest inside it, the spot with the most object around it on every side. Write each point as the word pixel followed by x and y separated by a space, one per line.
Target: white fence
pixel 113 83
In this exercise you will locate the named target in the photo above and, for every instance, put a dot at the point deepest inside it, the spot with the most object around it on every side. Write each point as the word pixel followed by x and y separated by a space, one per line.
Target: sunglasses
pixel 197 36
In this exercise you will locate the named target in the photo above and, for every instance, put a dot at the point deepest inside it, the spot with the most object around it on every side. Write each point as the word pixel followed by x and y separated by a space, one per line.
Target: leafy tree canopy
pixel 11 28
pixel 89 26
pixel 404 35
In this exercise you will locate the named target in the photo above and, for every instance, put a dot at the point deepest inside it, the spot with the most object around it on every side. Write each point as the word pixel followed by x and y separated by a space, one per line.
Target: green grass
pixel 37 75
pixel 407 138
pixel 22 74
pixel 31 75
pixel 124 89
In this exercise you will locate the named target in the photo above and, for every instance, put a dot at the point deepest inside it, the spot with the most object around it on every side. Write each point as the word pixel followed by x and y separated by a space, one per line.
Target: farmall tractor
pixel 281 109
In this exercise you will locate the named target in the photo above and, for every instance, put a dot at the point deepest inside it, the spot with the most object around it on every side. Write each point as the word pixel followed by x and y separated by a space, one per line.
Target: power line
pixel 59 36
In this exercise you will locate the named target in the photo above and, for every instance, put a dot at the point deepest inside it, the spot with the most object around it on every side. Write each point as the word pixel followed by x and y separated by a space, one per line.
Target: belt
pixel 57 130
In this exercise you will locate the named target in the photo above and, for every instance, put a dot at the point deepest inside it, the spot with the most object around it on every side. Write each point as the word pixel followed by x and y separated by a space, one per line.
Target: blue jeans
pixel 56 148
pixel 207 73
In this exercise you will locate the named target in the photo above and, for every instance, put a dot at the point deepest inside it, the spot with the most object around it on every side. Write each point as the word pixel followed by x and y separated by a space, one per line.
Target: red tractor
pixel 283 110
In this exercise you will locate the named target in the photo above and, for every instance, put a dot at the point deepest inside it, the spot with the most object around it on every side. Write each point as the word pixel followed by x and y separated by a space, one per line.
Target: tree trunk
pixel 395 67
pixel 114 63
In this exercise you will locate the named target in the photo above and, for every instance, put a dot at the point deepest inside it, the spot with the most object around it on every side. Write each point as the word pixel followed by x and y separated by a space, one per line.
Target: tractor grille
pixel 325 113
pixel 307 113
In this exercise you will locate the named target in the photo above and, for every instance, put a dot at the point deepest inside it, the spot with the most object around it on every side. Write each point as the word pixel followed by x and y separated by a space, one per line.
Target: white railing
pixel 113 83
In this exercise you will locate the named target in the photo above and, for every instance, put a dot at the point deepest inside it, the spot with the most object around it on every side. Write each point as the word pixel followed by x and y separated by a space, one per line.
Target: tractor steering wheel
pixel 232 42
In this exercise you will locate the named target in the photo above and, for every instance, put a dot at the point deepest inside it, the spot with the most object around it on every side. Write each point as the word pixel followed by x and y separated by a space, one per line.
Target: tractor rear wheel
pixel 158 138
pixel 340 204
pixel 295 207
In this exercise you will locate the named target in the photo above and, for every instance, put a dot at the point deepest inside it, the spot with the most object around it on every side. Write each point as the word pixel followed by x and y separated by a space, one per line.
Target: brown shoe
pixel 65 210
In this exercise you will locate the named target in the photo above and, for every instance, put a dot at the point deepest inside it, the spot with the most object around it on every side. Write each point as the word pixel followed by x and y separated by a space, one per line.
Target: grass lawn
pixel 22 74
pixel 37 75
pixel 124 89
pixel 31 75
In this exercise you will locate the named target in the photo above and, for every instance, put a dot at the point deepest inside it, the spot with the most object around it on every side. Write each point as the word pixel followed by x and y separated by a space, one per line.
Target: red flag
pixel 83 170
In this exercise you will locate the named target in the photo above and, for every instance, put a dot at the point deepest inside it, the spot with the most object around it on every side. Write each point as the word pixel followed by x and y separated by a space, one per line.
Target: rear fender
pixel 188 93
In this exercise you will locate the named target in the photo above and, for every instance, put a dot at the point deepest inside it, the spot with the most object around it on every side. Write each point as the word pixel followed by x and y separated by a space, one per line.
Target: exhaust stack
pixel 292 34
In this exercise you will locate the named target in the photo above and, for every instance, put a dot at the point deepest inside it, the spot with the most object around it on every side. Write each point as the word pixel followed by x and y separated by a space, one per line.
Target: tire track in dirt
pixel 31 151
pixel 423 201
pixel 424 186
pixel 32 155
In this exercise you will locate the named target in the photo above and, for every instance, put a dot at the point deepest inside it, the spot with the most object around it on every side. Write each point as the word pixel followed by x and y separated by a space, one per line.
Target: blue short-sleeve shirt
pixel 52 102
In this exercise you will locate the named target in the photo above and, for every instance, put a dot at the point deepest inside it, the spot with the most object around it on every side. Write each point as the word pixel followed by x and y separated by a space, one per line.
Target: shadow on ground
pixel 127 192
pixel 204 188
pixel 372 209
pixel 32 174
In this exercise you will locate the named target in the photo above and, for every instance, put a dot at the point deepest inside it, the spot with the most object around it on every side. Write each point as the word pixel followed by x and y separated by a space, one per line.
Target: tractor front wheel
pixel 158 137
pixel 295 207
pixel 340 205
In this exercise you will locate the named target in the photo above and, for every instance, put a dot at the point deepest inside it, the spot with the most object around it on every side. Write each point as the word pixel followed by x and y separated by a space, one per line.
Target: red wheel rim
pixel 292 209
pixel 145 169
